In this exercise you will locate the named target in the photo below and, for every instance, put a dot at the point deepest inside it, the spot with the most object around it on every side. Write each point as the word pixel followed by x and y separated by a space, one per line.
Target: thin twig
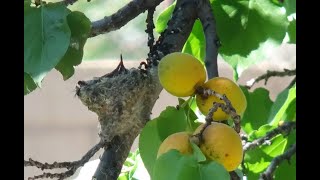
pixel 149 31
pixel 269 74
pixel 227 107
pixel 285 129
pixel 207 19
pixel 122 16
pixel 60 176
pixel 71 166
pixel 42 166
pixel 268 173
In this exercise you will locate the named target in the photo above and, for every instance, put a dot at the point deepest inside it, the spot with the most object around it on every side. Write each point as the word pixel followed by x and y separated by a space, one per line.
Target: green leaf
pixel 130 166
pixel 29 84
pixel 290 6
pixel 255 162
pixel 277 146
pixel 290 114
pixel 292 31
pixel 170 121
pixel 195 43
pixel 286 171
pixel 46 38
pixel 284 107
pixel 175 166
pixel 248 30
pixel 258 159
pixel 262 131
pixel 27 3
pixel 283 169
pixel 213 170
pixel 80 27
pixel 258 109
pixel 149 143
pixel 122 176
pixel 277 2
pixel 163 18
pixel 188 107
pixel 197 153
pixel 172 165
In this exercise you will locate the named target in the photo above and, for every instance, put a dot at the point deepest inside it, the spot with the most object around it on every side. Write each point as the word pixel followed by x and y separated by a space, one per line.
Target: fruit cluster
pixel 181 75
pixel 220 143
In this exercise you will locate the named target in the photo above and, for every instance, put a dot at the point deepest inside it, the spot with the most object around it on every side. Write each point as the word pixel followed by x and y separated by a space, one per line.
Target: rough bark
pixel 123 102
pixel 122 16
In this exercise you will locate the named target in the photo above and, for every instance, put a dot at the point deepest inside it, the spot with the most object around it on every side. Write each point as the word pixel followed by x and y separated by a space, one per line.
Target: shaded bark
pixel 124 102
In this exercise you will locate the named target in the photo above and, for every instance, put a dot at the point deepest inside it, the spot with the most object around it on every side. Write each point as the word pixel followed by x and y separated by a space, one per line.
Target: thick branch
pixel 124 102
pixel 268 174
pixel 178 29
pixel 122 16
pixel 269 74
pixel 116 153
pixel 285 129
pixel 206 17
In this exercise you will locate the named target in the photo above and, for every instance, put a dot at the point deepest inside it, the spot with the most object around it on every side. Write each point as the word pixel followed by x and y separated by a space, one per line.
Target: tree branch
pixel 149 31
pixel 268 174
pixel 122 16
pixel 116 153
pixel 227 107
pixel 207 19
pixel 269 74
pixel 285 129
pixel 124 102
pixel 71 166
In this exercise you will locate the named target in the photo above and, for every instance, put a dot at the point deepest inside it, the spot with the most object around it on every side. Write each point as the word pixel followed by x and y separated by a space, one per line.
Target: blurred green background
pixel 130 40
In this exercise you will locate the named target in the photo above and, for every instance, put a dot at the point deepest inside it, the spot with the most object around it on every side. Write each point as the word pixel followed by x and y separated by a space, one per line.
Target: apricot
pixel 222 144
pixel 225 86
pixel 180 74
pixel 179 141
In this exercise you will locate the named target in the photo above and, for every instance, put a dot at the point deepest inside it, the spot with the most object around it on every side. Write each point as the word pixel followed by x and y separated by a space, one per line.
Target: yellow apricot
pixel 178 141
pixel 225 86
pixel 222 144
pixel 180 74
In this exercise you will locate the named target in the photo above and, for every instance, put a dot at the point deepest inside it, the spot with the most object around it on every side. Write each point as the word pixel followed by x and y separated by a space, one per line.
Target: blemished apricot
pixel 179 141
pixel 180 74
pixel 225 86
pixel 222 144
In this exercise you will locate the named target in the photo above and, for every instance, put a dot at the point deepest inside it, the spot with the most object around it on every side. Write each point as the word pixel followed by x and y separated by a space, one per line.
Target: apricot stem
pixel 227 107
